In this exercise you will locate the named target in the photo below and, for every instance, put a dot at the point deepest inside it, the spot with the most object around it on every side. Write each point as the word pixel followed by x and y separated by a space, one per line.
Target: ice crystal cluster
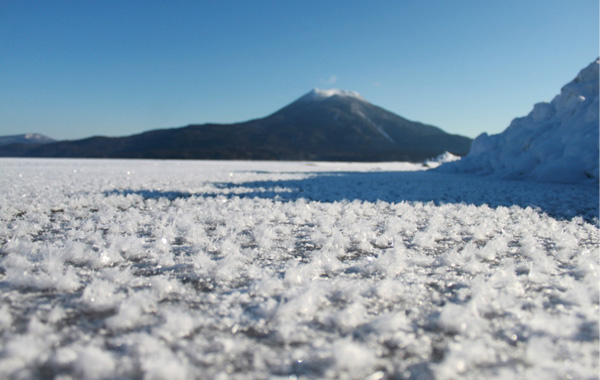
pixel 239 270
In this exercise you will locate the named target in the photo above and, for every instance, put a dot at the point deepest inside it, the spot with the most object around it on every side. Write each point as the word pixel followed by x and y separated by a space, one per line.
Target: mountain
pixel 29 138
pixel 555 142
pixel 325 125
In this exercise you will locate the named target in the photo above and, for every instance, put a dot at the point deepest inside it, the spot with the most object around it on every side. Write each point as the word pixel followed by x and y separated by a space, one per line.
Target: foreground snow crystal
pixel 556 142
pixel 179 270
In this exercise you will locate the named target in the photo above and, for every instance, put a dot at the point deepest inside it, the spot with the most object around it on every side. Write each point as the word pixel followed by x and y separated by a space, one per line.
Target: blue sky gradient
pixel 73 69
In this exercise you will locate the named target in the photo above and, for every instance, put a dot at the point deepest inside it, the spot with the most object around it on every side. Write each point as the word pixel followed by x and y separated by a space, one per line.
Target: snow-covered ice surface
pixel 556 142
pixel 209 270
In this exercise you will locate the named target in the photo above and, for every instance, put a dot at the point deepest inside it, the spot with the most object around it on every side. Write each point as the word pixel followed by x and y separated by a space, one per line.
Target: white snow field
pixel 556 142
pixel 261 270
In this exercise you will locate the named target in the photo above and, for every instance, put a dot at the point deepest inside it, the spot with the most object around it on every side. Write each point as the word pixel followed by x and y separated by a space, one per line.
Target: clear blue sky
pixel 73 69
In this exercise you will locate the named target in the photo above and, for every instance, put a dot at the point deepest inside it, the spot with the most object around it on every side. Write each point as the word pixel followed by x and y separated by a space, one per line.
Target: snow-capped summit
pixel 28 138
pixel 556 142
pixel 319 94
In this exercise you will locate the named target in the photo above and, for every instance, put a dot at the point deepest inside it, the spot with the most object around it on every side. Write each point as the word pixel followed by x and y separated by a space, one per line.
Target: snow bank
pixel 441 159
pixel 556 142
pixel 249 270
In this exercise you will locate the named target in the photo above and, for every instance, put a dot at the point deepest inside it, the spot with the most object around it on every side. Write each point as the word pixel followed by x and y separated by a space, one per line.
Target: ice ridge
pixel 555 142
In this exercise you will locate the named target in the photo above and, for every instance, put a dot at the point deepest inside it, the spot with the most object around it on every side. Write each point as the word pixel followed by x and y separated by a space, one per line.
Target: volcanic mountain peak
pixel 318 94
pixel 323 125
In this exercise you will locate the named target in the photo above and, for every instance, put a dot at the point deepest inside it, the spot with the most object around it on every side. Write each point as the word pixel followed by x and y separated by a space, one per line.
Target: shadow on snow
pixel 560 201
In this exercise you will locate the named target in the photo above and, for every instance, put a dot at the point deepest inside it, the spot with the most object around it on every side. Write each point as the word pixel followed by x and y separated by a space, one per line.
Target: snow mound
pixel 441 159
pixel 319 94
pixel 556 142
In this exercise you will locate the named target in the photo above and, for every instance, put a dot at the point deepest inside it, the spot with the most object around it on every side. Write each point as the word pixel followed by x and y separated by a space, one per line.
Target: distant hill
pixel 29 138
pixel 324 125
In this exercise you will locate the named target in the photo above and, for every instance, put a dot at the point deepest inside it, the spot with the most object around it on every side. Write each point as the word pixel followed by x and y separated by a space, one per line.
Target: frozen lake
pixel 190 269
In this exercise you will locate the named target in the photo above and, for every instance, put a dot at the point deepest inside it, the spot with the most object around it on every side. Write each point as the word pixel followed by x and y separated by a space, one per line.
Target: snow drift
pixel 556 142
pixel 441 159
